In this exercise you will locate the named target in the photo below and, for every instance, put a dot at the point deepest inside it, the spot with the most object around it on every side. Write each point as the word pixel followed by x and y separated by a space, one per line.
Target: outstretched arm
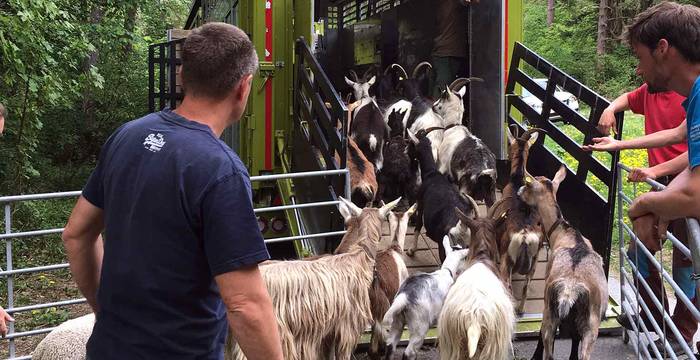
pixel 680 199
pixel 657 139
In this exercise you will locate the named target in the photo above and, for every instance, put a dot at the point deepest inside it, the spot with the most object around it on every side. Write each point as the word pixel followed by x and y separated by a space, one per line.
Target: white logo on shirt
pixel 154 142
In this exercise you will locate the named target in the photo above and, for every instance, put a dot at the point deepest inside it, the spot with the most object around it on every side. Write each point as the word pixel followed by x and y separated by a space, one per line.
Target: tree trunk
pixel 550 12
pixel 90 61
pixel 130 24
pixel 602 27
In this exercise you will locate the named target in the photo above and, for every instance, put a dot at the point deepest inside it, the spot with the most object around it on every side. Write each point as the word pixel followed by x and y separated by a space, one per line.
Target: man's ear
pixel 243 88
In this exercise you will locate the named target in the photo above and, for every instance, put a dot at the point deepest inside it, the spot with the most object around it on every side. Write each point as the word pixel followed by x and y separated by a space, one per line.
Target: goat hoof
pixel 410 252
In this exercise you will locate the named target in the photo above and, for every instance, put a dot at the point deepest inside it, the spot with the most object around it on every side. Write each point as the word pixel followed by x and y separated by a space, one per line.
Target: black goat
pixel 437 200
pixel 398 176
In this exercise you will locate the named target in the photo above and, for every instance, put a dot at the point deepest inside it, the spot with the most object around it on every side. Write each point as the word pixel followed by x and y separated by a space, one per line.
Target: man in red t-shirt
pixel 662 110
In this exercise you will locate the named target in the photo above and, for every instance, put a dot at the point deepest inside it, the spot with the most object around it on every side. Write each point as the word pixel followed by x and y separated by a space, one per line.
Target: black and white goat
pixel 368 127
pixel 419 301
pixel 437 201
pixel 463 157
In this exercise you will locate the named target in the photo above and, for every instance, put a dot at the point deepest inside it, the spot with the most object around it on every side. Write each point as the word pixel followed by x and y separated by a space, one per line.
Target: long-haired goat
pixel 576 290
pixel 463 157
pixel 322 305
pixel 478 320
pixel 419 301
pixel 437 200
pixel 520 235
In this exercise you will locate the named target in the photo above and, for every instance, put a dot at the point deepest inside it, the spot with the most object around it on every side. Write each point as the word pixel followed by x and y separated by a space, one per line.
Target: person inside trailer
pixel 450 44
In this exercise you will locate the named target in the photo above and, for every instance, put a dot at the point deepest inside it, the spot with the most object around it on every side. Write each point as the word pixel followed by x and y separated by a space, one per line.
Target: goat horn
pixel 526 135
pixel 475 206
pixel 420 65
pixel 367 72
pixel 354 75
pixel 384 210
pixel 458 83
pixel 405 75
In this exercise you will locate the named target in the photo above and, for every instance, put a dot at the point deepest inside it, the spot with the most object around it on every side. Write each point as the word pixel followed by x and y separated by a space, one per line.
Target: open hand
pixel 603 144
pixel 4 318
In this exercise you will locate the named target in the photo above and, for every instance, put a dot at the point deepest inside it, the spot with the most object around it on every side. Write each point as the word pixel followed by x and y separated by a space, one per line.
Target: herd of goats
pixel 404 145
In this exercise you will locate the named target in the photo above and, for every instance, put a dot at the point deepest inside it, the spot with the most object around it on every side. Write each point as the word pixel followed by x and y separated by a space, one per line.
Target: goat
pixel 437 200
pixel 390 273
pixel 463 157
pixel 400 171
pixel 520 235
pixel 419 301
pixel 363 180
pixel 477 320
pixel 368 127
pixel 576 290
pixel 322 305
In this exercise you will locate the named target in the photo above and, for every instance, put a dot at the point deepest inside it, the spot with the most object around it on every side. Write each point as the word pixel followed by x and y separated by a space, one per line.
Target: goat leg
pixel 575 340
pixel 548 332
pixel 588 339
pixel 523 296
pixel 540 348
pixel 411 250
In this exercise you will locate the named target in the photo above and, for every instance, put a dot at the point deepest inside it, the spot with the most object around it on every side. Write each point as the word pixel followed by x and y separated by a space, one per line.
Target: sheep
pixel 463 157
pixel 520 235
pixel 399 174
pixel 576 289
pixel 477 320
pixel 322 305
pixel 363 180
pixel 390 272
pixel 67 341
pixel 437 199
pixel 419 301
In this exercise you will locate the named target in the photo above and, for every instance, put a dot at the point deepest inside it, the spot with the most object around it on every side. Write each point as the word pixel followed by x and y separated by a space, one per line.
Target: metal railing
pixel 9 272
pixel 632 284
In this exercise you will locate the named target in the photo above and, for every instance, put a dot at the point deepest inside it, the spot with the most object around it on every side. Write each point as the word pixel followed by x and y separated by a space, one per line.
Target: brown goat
pixel 576 290
pixel 363 180
pixel 389 273
pixel 520 235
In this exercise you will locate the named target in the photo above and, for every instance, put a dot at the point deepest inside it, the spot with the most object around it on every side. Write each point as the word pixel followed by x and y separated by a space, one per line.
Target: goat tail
pixel 565 296
pixel 397 307
pixel 473 335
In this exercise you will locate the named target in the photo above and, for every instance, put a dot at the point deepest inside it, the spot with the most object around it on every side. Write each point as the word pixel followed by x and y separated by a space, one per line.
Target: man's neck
pixel 687 75
pixel 207 112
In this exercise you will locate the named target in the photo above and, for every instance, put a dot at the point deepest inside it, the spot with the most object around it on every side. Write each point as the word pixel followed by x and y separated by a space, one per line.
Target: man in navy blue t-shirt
pixel 175 205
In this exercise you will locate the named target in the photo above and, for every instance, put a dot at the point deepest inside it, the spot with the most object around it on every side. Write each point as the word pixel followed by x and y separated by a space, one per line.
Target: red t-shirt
pixel 661 111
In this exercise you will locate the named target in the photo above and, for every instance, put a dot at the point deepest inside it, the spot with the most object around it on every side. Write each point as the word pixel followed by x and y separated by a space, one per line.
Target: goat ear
pixel 372 80
pixel 533 138
pixel 412 136
pixel 462 91
pixel 384 210
pixel 348 81
pixel 558 178
pixel 348 209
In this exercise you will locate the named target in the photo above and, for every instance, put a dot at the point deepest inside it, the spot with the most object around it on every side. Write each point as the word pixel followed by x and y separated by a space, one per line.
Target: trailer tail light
pixel 262 224
pixel 279 225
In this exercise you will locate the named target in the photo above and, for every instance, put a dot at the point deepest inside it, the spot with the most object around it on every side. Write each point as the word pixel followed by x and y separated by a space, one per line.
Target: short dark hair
pixel 215 57
pixel 678 24
pixel 3 110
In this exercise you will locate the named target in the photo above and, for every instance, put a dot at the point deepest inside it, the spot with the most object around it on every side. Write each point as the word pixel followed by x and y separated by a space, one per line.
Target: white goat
pixel 67 341
pixel 477 319
pixel 419 301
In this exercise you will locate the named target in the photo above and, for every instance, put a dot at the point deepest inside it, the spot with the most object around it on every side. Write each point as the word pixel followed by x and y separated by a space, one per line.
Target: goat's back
pixel 67 341
pixel 477 297
pixel 439 198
